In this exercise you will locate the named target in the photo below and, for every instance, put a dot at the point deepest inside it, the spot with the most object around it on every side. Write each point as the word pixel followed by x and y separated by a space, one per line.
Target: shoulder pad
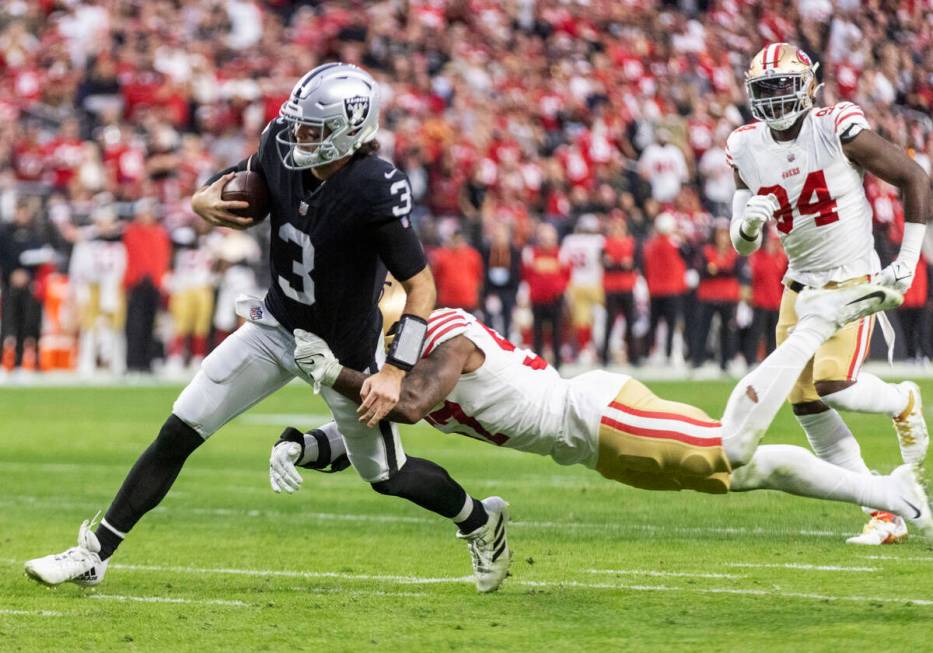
pixel 737 140
pixel 848 119
pixel 444 324
pixel 385 187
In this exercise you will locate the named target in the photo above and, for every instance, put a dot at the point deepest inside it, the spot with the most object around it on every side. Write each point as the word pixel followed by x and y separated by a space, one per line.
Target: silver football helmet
pixel 331 112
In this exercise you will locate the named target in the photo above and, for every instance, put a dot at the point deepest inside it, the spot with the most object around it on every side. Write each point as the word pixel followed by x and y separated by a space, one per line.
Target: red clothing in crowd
pixel 619 264
pixel 767 271
pixel 720 278
pixel 664 268
pixel 916 296
pixel 546 276
pixel 148 253
pixel 458 275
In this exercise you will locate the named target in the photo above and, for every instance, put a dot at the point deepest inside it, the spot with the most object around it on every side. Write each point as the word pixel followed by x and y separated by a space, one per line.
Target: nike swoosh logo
pixel 916 510
pixel 877 294
pixel 391 172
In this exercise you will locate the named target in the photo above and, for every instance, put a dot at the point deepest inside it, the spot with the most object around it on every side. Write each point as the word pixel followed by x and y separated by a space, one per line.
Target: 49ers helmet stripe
pixel 771 55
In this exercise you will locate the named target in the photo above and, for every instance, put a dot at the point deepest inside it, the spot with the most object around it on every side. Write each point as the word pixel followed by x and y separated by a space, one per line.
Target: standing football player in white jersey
pixel 583 250
pixel 472 381
pixel 803 167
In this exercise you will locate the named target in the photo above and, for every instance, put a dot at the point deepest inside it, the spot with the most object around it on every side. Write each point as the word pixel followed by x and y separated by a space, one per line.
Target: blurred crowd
pixel 566 159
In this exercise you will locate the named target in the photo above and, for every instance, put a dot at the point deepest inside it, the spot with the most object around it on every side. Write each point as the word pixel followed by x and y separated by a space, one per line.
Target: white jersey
pixel 583 252
pixel 194 267
pixel 666 170
pixel 825 219
pixel 99 263
pixel 516 400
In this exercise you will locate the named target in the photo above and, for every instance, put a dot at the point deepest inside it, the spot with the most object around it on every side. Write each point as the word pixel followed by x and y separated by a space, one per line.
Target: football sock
pixel 109 539
pixel 148 481
pixel 869 394
pixel 324 447
pixel 757 398
pixel 797 471
pixel 198 346
pixel 472 516
pixel 428 485
pixel 832 440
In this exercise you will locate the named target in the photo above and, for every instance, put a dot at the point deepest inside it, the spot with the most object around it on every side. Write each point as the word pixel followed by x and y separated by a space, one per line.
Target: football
pixel 248 186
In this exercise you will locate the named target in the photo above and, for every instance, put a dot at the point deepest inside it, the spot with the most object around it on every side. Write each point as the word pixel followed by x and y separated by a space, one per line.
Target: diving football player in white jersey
pixel 473 382
pixel 802 166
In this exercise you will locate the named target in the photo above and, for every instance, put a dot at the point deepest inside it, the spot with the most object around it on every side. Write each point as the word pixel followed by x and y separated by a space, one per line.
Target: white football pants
pixel 255 361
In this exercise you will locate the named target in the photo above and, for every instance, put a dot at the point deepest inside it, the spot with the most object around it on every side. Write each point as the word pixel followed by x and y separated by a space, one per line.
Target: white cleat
pixel 489 546
pixel 882 528
pixel 844 305
pixel 911 428
pixel 913 495
pixel 80 564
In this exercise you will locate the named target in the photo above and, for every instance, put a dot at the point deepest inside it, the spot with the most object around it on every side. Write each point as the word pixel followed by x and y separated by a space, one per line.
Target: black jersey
pixel 331 244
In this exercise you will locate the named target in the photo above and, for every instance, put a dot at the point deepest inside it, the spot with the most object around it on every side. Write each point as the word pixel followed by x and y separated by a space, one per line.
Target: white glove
pixel 758 210
pixel 282 472
pixel 314 358
pixel 899 275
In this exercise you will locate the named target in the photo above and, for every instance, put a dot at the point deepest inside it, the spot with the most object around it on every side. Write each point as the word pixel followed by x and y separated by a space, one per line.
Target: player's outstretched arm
pixel 890 163
pixel 425 386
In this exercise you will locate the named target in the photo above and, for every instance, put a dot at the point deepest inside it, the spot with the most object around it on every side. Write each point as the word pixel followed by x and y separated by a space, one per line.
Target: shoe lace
pixel 478 552
pixel 76 555
pixel 904 431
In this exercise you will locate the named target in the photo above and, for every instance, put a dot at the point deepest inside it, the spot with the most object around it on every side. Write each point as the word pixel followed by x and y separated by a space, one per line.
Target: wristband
pixel 410 332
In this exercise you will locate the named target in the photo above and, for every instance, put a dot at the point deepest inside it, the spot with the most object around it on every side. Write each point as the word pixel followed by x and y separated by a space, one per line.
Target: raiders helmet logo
pixel 357 109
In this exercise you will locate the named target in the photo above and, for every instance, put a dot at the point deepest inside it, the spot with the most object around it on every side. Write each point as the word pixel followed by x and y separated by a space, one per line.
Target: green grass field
pixel 225 564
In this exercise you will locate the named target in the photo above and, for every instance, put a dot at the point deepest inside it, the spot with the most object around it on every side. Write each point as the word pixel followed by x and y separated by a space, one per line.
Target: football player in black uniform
pixel 340 218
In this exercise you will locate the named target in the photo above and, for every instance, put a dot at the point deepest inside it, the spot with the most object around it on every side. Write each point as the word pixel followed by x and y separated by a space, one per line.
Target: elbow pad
pixel 740 241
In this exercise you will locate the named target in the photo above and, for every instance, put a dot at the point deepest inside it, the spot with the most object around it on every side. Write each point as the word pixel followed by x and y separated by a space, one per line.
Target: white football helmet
pixel 334 109
pixel 781 84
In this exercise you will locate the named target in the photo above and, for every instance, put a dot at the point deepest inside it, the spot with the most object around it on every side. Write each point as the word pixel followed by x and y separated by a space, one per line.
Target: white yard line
pixel 418 580
pixel 291 517
pixel 281 573
pixel 653 572
pixel 30 613
pixel 167 599
pixel 298 420
pixel 344 592
pixel 800 566
pixel 421 580
pixel 904 558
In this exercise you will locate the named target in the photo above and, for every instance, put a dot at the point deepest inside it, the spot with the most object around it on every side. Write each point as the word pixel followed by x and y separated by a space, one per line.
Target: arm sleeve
pixel 742 245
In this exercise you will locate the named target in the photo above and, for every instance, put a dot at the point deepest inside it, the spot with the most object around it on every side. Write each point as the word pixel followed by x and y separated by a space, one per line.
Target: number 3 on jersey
pixel 823 206
pixel 301 269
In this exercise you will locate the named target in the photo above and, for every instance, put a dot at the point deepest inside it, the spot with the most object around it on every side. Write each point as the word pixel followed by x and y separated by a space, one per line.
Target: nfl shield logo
pixel 255 313
pixel 357 109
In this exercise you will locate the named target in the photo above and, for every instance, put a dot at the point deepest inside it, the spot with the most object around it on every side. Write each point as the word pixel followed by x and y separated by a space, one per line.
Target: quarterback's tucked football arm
pixel 237 198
